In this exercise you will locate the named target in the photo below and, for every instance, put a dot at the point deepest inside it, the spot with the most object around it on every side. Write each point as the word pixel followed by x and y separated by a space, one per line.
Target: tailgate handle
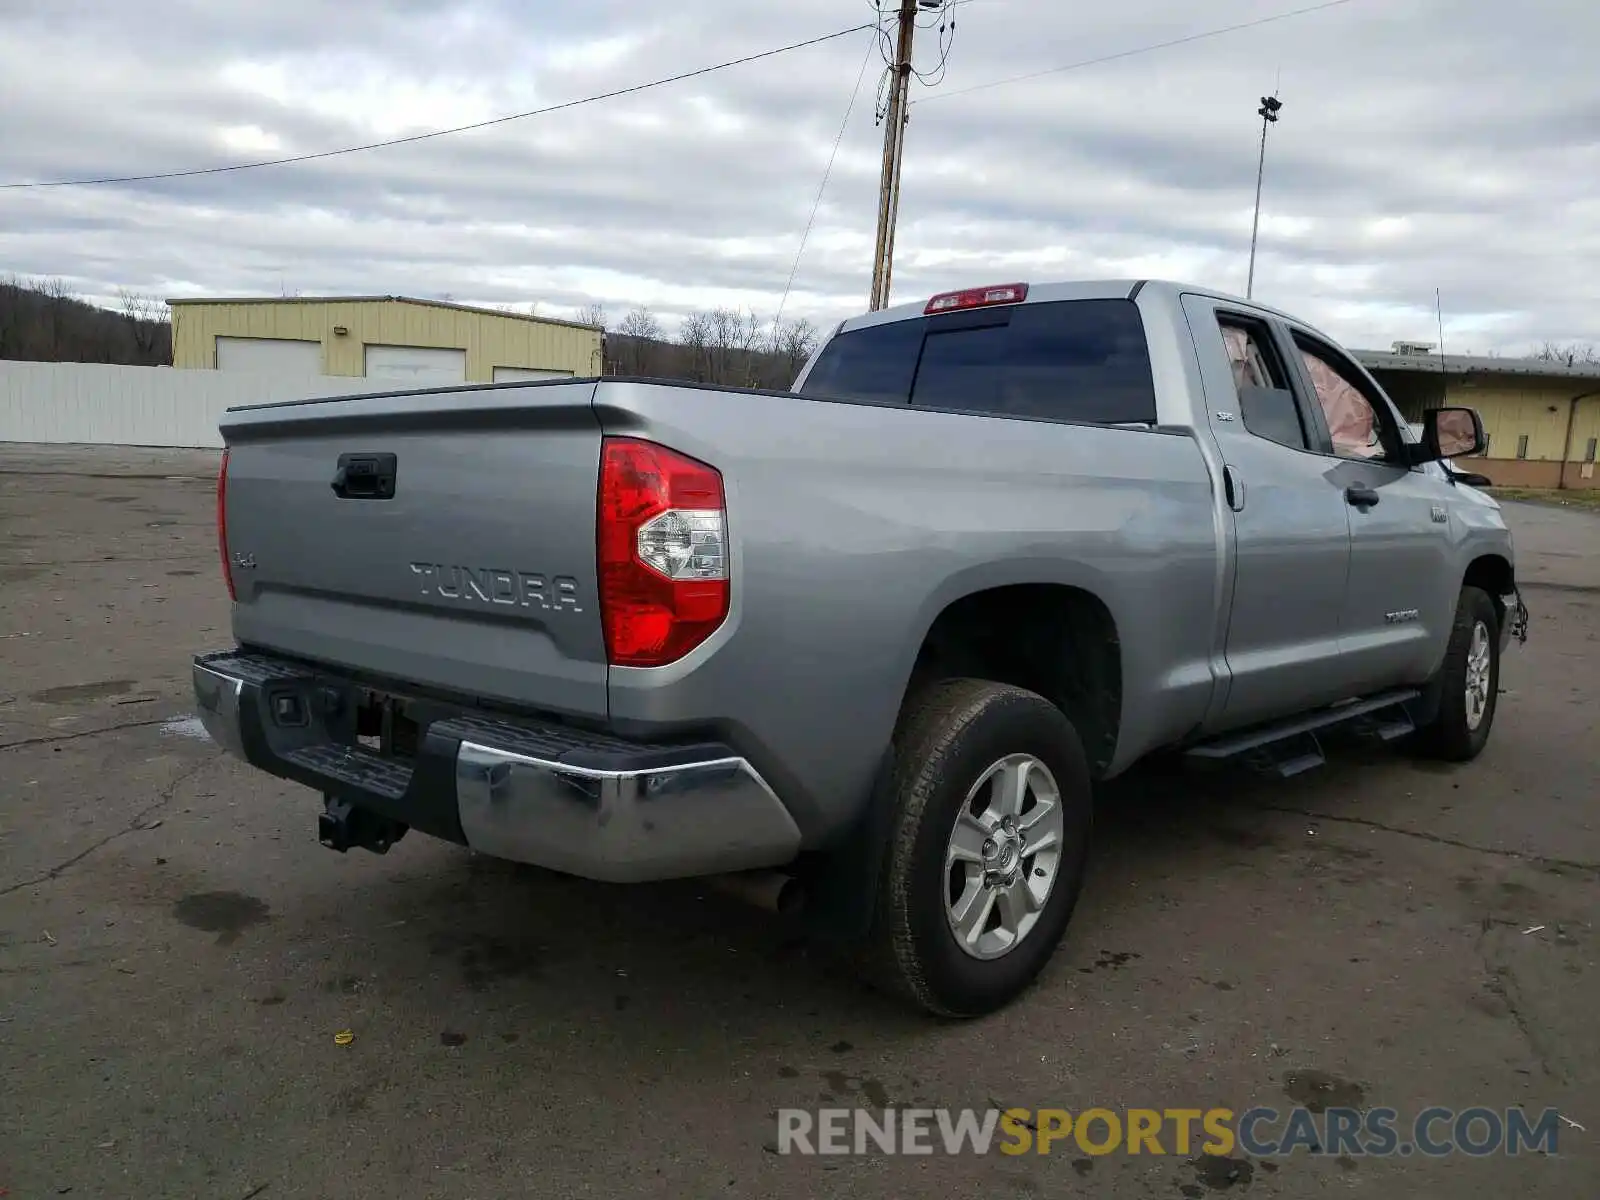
pixel 365 477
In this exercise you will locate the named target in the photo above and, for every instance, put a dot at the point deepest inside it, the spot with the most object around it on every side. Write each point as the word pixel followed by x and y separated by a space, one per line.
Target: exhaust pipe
pixel 770 890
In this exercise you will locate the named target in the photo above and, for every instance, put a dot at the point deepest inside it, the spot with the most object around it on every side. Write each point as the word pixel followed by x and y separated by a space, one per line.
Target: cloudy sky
pixel 1424 143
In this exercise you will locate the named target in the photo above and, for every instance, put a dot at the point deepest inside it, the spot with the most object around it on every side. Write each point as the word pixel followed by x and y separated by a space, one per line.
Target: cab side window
pixel 1266 403
pixel 1354 419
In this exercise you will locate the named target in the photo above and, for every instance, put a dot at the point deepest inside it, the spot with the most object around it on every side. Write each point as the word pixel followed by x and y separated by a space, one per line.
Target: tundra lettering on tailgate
pixel 497 585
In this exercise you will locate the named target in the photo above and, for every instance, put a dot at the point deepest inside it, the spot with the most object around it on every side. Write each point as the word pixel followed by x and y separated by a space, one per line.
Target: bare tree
pixel 59 298
pixel 722 335
pixel 746 338
pixel 637 344
pixel 696 337
pixel 640 323
pixel 725 346
pixel 11 316
pixel 145 315
pixel 732 336
pixel 792 343
pixel 593 314
pixel 1568 354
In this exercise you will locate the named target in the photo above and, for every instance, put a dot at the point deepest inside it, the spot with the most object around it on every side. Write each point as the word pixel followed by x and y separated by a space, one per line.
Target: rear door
pixel 471 570
pixel 1401 598
pixel 1291 532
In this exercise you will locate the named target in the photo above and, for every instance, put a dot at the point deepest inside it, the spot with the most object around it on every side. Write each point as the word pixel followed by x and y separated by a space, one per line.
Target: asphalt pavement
pixel 178 955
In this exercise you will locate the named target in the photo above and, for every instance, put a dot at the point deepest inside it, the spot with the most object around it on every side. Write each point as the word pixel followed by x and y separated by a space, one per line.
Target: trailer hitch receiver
pixel 344 825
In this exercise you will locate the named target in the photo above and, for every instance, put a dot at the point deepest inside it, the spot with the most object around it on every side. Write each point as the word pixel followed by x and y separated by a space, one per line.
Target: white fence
pixel 141 406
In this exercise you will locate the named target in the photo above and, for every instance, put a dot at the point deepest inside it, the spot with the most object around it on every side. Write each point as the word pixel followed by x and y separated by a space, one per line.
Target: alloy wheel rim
pixel 1479 662
pixel 1003 856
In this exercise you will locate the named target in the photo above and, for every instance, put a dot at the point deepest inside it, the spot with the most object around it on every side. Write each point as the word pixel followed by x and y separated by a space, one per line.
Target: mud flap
pixel 842 879
pixel 1424 708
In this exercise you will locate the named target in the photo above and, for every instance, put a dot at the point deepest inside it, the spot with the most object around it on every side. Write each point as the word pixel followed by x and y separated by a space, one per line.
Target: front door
pixel 1401 598
pixel 1290 536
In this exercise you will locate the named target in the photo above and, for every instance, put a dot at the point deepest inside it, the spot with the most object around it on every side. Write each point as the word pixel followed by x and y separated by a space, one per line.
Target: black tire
pixel 949 734
pixel 1451 736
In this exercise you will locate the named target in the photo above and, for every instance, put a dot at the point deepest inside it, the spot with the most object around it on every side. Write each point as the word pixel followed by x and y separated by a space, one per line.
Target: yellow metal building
pixel 393 338
pixel 1542 418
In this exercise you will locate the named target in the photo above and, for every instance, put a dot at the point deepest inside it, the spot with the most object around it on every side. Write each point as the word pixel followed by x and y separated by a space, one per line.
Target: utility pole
pixel 1268 112
pixel 894 142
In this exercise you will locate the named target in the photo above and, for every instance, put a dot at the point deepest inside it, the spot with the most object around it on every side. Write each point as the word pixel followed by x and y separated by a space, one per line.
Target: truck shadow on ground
pixel 460 931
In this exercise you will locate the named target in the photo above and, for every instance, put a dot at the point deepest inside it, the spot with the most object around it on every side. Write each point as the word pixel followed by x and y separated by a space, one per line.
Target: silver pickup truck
pixel 858 651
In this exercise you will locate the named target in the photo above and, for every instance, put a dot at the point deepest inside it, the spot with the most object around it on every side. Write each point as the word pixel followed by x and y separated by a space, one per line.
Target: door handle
pixel 365 477
pixel 1233 487
pixel 1360 496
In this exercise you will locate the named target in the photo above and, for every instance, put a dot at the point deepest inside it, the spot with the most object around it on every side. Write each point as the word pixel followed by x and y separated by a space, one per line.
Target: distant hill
pixel 45 322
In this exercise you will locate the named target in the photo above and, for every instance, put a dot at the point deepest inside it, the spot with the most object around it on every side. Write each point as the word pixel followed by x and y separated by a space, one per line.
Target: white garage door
pixel 522 374
pixel 277 355
pixel 421 365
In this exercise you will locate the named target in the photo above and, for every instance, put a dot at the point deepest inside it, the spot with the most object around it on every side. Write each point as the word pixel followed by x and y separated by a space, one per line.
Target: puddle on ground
pixel 1217 1174
pixel 1320 1091
pixel 226 914
pixel 77 693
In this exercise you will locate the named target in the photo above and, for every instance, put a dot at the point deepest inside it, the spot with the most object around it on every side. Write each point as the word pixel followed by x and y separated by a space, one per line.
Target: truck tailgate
pixel 472 571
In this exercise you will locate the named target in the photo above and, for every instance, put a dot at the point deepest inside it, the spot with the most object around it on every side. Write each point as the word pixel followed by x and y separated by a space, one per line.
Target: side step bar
pixel 1289 747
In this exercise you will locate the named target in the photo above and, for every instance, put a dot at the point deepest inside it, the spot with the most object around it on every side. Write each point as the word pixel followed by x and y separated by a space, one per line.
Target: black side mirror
pixel 1450 433
pixel 1472 479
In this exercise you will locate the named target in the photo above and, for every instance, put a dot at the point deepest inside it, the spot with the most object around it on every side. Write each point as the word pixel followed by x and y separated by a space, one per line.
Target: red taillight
pixel 663 552
pixel 1005 293
pixel 222 523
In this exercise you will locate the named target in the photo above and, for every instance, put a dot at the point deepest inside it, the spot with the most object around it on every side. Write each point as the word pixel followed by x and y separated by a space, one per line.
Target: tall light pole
pixel 1268 112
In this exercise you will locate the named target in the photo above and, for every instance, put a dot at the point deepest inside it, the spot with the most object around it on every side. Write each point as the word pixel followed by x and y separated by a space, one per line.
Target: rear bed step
pixel 356 766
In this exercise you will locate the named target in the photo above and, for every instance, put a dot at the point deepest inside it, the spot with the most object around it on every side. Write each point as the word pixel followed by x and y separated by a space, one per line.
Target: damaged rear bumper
pixel 538 792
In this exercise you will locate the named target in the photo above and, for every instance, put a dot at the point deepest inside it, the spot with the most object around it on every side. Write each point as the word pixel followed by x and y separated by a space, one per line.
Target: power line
pixel 827 173
pixel 1167 45
pixel 945 19
pixel 438 133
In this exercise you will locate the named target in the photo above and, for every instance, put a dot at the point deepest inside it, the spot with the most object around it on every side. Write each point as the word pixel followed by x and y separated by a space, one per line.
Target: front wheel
pixel 1469 682
pixel 993 812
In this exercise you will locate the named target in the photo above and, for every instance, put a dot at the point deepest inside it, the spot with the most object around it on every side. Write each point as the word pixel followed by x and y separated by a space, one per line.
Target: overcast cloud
pixel 1424 143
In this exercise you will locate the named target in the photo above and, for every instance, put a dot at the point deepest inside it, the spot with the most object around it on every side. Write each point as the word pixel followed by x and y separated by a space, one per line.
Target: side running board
pixel 1290 746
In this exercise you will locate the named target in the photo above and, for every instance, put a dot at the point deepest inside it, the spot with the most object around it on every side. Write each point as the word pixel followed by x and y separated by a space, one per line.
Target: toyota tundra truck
pixel 859 651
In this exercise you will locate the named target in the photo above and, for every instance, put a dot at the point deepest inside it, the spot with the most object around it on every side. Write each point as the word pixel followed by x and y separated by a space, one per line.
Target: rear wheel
pixel 987 849
pixel 1469 682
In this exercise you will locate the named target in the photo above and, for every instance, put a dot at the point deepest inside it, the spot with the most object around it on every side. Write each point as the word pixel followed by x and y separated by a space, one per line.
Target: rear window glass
pixel 1072 360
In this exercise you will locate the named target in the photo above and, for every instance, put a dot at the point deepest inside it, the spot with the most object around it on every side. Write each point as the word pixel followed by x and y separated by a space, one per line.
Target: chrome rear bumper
pixel 585 803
